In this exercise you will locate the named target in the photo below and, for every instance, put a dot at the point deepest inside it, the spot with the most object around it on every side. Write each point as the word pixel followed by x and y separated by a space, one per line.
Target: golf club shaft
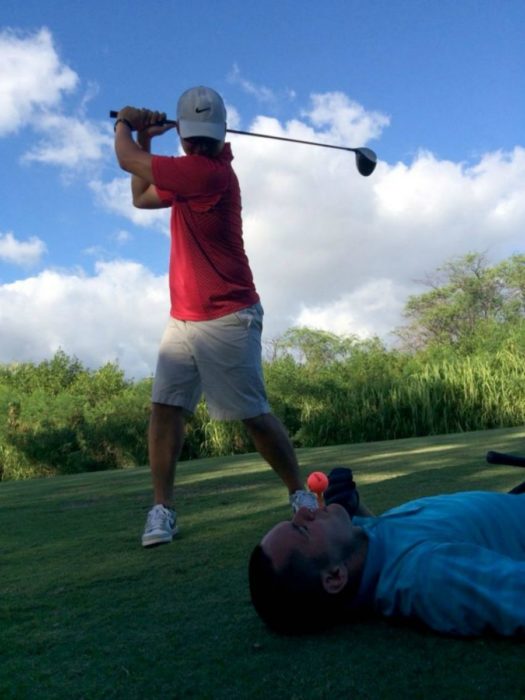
pixel 503 458
pixel 284 138
pixel 113 114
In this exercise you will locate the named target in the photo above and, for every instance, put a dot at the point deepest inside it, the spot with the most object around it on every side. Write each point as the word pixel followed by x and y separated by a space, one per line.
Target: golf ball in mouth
pixel 317 482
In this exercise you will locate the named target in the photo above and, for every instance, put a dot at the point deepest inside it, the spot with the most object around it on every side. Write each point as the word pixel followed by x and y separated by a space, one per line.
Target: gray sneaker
pixel 161 526
pixel 303 499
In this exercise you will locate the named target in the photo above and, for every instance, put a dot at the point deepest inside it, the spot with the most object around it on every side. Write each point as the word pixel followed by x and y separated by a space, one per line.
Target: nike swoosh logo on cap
pixel 204 109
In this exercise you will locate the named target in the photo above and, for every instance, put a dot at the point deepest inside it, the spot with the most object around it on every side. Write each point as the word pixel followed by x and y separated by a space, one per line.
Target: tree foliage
pixel 317 348
pixel 467 298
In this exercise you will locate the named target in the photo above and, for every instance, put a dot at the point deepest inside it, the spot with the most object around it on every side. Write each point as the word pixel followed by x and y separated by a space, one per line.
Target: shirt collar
pixel 373 566
pixel 226 153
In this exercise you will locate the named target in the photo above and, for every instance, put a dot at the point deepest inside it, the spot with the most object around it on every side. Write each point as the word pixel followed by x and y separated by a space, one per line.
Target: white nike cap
pixel 201 112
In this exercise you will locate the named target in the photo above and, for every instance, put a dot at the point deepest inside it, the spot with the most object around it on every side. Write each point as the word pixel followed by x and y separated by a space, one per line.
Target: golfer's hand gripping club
pixel 143 119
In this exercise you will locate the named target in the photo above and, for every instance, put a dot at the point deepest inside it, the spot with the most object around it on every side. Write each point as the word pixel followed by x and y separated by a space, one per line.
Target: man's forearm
pixel 134 156
pixel 138 184
pixel 131 156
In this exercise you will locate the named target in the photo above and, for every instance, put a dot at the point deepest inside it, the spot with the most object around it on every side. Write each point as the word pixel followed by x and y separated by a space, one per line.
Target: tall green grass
pixel 446 396
pixel 81 421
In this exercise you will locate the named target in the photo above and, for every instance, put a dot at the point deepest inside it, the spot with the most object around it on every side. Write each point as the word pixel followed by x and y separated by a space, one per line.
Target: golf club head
pixel 366 161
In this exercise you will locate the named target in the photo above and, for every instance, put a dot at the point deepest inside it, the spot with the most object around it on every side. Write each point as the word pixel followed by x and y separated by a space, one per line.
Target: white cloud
pixel 33 82
pixel 24 253
pixel 482 204
pixel 70 142
pixel 122 237
pixel 260 92
pixel 116 314
pixel 234 118
pixel 32 77
pixel 115 196
pixel 348 122
pixel 367 311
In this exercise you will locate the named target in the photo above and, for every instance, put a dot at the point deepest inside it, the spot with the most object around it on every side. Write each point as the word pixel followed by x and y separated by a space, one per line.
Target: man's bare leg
pixel 165 441
pixel 273 444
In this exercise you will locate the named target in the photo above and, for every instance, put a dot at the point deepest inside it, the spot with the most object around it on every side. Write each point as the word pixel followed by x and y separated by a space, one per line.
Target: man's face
pixel 190 148
pixel 326 532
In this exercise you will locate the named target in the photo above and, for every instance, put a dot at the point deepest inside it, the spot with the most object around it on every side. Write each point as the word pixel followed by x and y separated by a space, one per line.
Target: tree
pixel 466 295
pixel 316 348
pixel 52 376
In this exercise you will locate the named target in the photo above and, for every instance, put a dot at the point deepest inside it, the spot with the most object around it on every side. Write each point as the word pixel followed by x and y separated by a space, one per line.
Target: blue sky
pixel 436 88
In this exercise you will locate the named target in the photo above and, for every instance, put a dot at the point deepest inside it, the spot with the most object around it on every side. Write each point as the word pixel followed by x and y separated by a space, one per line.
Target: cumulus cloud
pixel 32 77
pixel 345 120
pixel 234 118
pixel 116 314
pixel 366 312
pixel 33 83
pixel 115 196
pixel 453 203
pixel 69 142
pixel 23 253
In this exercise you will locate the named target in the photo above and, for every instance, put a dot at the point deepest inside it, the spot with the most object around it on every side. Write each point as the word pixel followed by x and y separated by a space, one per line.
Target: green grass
pixel 86 613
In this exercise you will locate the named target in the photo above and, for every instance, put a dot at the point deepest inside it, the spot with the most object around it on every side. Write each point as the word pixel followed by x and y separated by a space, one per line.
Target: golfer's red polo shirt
pixel 209 271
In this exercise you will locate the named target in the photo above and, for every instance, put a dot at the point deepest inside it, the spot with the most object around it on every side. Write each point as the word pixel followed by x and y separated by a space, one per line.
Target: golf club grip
pixel 503 458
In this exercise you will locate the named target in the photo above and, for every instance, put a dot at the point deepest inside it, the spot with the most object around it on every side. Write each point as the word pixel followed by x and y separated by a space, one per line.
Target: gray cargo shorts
pixel 220 358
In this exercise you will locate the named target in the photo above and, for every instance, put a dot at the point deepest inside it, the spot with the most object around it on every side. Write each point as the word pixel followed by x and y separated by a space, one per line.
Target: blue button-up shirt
pixel 455 562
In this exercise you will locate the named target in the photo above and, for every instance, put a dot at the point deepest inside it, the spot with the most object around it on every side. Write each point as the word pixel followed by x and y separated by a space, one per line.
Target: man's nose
pixel 303 515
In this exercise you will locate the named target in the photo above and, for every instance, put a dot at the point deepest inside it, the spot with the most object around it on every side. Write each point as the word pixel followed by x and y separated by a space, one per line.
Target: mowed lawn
pixel 85 612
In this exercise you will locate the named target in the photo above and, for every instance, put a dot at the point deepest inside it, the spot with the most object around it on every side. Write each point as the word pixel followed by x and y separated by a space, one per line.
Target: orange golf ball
pixel 317 482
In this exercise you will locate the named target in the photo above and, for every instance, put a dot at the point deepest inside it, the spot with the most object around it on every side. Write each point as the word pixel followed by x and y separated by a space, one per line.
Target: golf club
pixel 365 158
pixel 503 458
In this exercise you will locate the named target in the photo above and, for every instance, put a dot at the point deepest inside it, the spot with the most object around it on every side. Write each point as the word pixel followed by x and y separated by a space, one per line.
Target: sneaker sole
pixel 157 540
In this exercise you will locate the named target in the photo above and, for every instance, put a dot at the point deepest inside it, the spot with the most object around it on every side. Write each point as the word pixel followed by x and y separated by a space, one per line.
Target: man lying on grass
pixel 454 562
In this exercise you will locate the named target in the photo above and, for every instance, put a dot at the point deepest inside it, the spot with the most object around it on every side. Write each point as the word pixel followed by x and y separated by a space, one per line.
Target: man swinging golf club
pixel 212 343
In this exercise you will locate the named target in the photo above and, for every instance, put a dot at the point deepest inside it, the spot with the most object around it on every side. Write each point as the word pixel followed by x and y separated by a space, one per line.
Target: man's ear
pixel 334 578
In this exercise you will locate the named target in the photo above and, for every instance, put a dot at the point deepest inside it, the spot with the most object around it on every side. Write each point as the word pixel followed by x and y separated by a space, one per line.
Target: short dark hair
pixel 292 600
pixel 204 146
